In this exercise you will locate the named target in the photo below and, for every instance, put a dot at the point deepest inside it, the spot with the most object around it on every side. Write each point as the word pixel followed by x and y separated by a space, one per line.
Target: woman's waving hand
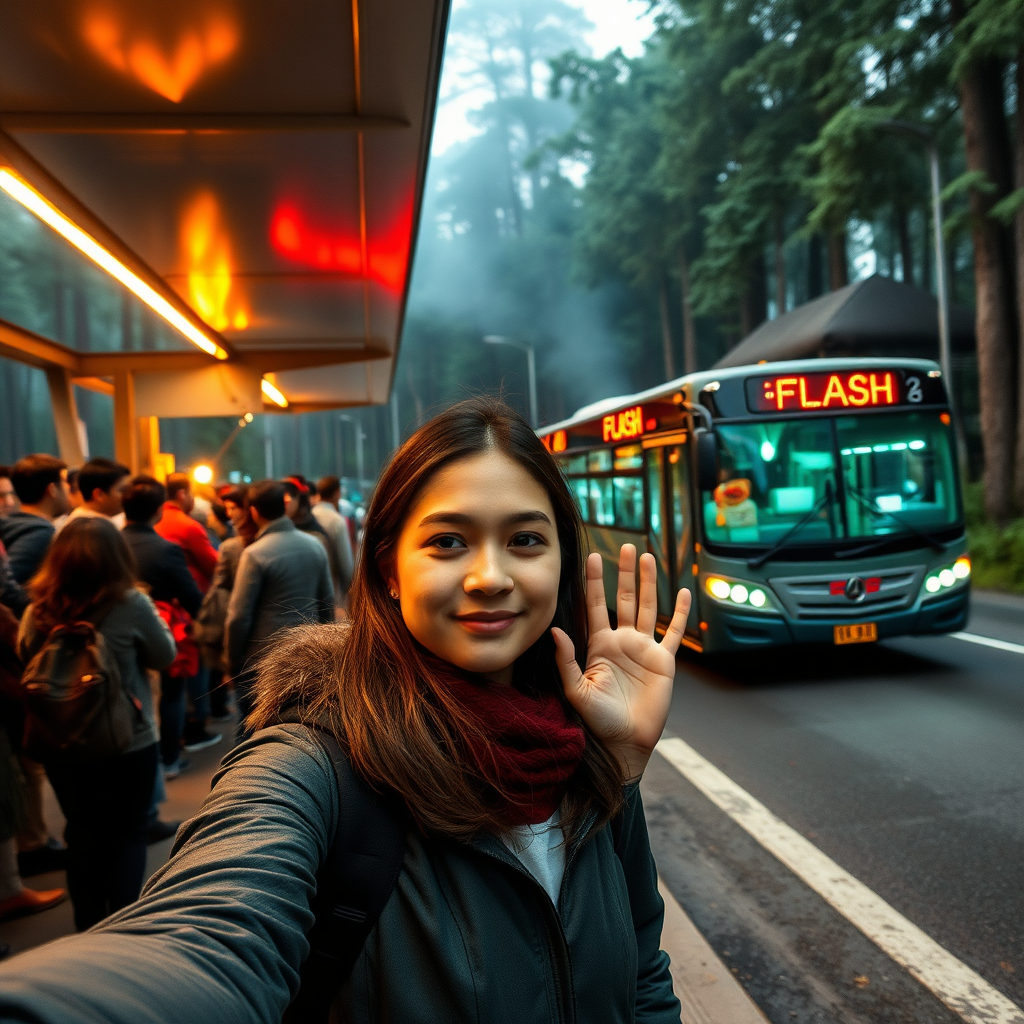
pixel 624 692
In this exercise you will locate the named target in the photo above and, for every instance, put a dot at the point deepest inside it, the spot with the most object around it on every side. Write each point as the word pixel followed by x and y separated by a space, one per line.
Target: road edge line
pixel 988 641
pixel 950 980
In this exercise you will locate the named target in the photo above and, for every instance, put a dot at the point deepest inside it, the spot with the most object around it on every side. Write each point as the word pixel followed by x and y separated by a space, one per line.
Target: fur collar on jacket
pixel 300 671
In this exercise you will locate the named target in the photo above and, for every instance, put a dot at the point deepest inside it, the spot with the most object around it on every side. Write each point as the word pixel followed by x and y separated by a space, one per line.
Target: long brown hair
pixel 88 566
pixel 404 728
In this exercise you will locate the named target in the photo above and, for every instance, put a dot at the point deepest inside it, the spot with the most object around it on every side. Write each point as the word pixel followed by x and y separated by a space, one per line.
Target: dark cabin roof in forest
pixel 873 317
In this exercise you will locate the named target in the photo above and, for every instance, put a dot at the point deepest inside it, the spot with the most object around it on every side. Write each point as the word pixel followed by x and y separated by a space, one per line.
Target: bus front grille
pixel 825 596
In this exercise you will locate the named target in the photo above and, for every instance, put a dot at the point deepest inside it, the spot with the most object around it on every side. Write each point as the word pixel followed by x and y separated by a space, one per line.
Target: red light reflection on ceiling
pixel 294 238
pixel 170 62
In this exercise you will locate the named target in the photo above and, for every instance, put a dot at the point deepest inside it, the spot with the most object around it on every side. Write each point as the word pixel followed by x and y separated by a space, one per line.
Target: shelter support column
pixel 149 445
pixel 65 415
pixel 126 436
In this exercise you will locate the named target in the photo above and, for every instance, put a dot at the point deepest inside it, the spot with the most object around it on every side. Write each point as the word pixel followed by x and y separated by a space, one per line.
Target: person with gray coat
pixel 283 580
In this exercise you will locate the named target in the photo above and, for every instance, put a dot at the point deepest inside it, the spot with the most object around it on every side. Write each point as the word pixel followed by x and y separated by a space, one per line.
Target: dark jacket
pixel 27 538
pixel 283 580
pixel 467 937
pixel 162 567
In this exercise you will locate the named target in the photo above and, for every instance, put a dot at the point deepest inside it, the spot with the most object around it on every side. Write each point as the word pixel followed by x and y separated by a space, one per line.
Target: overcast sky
pixel 624 23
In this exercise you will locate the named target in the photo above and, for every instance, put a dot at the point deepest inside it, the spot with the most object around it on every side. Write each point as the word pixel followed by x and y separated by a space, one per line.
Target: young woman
pixel 88 574
pixel 461 685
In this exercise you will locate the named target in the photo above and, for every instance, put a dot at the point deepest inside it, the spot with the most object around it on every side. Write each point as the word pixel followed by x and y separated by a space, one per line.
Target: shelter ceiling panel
pixel 391 186
pixel 182 198
pixel 348 384
pixel 151 55
pixel 295 308
pixel 394 60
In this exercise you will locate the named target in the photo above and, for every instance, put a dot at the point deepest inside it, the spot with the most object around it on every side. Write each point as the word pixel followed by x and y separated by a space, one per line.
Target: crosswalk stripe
pixel 964 991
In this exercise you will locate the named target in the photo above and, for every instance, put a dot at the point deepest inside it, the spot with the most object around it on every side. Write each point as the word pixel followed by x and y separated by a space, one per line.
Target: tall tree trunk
pixel 666 329
pixel 1018 230
pixel 906 249
pixel 838 272
pixel 815 283
pixel 754 307
pixel 689 327
pixel 780 267
pixel 987 150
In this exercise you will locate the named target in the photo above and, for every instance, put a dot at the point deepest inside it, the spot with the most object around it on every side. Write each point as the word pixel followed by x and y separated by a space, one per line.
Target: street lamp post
pixel 919 132
pixel 945 348
pixel 360 437
pixel 531 369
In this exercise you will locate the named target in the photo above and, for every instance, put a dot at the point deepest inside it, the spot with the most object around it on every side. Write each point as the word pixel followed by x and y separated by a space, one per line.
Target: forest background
pixel 632 218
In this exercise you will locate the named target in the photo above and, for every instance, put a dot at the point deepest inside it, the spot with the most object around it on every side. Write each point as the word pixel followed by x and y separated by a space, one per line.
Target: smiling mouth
pixel 488 622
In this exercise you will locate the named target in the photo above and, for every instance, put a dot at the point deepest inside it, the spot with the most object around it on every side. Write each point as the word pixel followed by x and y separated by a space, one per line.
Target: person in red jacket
pixel 188 730
pixel 180 528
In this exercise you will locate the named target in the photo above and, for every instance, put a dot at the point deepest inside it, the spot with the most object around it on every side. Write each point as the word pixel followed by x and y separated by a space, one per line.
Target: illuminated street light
pixel 23 193
pixel 202 474
pixel 531 369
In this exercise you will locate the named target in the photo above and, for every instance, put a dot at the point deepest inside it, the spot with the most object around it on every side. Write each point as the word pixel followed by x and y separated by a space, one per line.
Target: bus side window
pixel 657 524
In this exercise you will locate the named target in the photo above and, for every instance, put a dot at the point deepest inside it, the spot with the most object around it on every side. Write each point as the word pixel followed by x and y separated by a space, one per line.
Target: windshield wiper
pixel 867 503
pixel 825 499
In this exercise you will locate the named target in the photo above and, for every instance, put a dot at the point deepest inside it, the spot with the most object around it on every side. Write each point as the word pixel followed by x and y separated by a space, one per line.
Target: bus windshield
pixel 846 477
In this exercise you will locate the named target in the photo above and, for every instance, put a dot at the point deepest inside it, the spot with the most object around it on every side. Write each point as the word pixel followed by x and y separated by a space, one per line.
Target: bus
pixel 808 501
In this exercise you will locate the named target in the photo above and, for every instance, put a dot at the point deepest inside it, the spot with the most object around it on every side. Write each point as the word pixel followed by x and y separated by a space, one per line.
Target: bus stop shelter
pixel 251 173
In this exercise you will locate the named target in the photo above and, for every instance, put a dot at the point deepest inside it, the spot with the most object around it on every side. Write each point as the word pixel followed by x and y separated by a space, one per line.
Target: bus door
pixel 659 529
pixel 678 468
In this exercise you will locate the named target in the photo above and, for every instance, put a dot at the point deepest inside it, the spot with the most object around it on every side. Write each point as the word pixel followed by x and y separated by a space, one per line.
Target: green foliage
pixel 997 555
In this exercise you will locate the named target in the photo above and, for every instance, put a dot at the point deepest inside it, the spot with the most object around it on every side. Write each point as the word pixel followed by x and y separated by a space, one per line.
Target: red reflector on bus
pixel 836 587
pixel 872 584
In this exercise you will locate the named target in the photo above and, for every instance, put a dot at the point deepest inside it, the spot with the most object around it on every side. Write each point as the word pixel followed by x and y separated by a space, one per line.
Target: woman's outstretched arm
pixel 219 931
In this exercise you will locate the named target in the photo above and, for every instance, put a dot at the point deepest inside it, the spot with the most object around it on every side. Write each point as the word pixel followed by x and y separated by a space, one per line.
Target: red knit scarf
pixel 532 745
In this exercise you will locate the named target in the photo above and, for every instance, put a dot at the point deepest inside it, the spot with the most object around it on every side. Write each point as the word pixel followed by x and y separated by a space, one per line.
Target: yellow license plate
pixel 856 633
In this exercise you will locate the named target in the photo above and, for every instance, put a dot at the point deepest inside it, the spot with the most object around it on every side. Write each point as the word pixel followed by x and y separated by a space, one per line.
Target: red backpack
pixel 179 622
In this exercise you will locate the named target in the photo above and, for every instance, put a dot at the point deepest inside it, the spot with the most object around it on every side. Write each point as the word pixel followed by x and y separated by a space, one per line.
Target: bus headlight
pixel 738 593
pixel 948 576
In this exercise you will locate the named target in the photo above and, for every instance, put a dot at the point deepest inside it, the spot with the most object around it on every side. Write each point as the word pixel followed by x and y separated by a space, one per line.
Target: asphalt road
pixel 904 763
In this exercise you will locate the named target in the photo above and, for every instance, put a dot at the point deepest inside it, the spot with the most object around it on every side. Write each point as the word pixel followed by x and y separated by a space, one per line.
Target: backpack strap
pixel 354 883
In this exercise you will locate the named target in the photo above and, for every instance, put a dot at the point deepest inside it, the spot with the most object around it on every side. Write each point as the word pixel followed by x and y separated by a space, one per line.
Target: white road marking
pixel 965 992
pixel 987 641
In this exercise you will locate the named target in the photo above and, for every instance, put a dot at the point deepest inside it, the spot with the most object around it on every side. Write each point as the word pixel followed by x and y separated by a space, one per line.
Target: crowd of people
pixel 184 585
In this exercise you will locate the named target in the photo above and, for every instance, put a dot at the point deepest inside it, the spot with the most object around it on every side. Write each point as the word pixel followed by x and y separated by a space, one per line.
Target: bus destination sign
pixel 846 389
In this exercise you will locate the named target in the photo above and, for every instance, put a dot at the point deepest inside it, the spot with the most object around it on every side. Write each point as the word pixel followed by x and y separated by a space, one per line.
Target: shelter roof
pixel 259 165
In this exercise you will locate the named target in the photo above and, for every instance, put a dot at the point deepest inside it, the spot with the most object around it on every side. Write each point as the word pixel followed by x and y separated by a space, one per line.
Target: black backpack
pixel 355 882
pixel 76 706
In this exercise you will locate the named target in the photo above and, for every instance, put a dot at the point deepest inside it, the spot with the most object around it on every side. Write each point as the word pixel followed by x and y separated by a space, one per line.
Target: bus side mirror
pixel 707 459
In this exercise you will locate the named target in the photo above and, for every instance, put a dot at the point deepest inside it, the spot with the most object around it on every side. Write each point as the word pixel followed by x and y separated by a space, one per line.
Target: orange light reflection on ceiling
pixel 387 253
pixel 207 253
pixel 170 67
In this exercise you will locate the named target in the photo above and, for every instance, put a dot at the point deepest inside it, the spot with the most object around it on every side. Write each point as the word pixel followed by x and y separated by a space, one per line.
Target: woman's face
pixel 477 564
pixel 236 513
